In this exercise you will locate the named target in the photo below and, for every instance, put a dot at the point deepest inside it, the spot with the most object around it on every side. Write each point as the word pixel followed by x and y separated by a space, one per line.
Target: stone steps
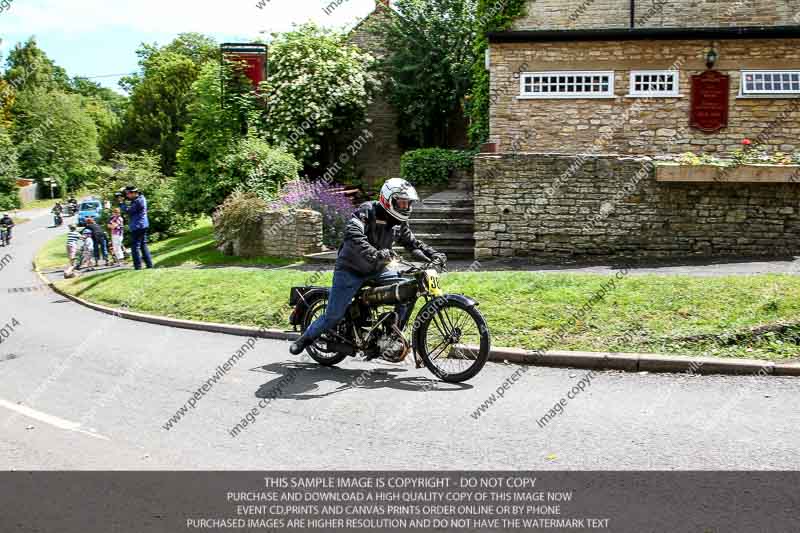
pixel 442 212
pixel 446 221
pixel 435 225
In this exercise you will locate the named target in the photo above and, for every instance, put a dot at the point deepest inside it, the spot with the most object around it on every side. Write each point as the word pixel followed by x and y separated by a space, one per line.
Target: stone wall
pixel 639 125
pixel 594 14
pixel 281 234
pixel 552 208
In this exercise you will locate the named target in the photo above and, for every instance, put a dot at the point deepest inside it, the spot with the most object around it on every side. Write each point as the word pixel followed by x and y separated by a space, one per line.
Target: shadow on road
pixel 299 381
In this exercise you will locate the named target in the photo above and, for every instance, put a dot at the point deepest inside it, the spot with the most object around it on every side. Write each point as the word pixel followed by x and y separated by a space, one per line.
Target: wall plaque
pixel 710 100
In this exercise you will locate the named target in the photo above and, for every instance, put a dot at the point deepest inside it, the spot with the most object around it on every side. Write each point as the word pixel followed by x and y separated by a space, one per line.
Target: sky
pixel 99 37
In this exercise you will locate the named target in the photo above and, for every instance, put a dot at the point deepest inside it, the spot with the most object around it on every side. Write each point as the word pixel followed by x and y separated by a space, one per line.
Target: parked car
pixel 89 208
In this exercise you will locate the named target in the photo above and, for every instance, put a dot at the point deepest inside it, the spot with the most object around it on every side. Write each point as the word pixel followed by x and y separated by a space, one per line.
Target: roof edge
pixel 639 34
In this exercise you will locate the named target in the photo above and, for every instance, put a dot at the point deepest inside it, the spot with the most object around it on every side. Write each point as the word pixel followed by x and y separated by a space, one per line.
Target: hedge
pixel 433 166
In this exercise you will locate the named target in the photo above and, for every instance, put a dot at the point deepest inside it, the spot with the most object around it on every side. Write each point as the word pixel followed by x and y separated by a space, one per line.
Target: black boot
pixel 299 346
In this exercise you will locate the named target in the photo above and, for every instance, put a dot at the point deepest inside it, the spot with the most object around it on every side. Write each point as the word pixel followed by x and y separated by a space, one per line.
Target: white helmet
pixel 397 197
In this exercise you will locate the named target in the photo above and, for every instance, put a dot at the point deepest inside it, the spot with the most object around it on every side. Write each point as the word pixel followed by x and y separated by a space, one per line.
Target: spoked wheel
pixel 318 351
pixel 453 341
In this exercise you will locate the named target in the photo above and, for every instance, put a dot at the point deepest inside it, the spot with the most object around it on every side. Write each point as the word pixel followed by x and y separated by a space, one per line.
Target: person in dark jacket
pixel 7 224
pixel 138 225
pixel 365 252
pixel 99 239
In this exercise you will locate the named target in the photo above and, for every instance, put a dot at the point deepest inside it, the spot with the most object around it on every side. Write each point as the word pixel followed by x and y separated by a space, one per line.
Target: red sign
pixel 710 101
pixel 253 58
pixel 254 66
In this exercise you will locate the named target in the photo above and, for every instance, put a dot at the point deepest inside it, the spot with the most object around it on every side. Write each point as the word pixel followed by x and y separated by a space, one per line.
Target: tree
pixel 28 67
pixel 491 16
pixel 56 138
pixel 160 94
pixel 90 89
pixel 217 121
pixel 106 108
pixel 318 85
pixel 9 172
pixel 428 70
pixel 142 170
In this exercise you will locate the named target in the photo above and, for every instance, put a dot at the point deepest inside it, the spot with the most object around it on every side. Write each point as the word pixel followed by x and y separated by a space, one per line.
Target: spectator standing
pixel 138 225
pixel 99 239
pixel 73 243
pixel 117 225
pixel 87 251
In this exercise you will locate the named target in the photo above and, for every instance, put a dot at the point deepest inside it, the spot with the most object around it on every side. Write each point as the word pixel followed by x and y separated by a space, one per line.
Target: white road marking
pixel 54 421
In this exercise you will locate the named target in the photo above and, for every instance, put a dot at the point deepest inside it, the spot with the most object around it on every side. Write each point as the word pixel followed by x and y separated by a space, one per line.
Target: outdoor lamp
pixel 711 58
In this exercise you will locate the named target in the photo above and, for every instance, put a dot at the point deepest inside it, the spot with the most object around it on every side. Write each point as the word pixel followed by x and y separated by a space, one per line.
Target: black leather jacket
pixel 371 229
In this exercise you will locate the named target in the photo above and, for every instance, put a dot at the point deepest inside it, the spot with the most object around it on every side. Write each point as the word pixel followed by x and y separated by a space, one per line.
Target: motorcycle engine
pixel 392 346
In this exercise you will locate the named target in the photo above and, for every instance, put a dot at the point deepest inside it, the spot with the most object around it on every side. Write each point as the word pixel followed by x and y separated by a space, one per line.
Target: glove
pixel 384 256
pixel 439 261
pixel 439 258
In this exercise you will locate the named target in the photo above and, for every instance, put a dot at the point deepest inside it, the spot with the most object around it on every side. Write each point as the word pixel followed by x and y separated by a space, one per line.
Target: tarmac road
pixel 83 390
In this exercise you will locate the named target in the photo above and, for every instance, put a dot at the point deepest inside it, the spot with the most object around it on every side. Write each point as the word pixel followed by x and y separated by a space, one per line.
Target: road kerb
pixel 562 359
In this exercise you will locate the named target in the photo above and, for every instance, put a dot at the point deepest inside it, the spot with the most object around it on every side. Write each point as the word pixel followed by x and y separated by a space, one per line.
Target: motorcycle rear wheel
pixel 318 351
pixel 454 341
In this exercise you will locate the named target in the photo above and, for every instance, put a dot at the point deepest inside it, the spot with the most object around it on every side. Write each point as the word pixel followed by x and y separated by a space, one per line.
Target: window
pixel 567 84
pixel 770 82
pixel 655 83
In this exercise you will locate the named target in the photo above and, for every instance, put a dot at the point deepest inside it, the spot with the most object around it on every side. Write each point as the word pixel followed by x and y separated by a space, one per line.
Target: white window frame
pixel 567 95
pixel 744 92
pixel 641 93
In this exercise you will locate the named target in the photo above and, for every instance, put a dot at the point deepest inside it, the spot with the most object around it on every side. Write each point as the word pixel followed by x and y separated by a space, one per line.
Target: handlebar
pixel 412 268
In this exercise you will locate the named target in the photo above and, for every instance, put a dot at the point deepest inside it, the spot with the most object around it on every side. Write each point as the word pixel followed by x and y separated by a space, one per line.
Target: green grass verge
pixel 191 248
pixel 53 254
pixel 524 309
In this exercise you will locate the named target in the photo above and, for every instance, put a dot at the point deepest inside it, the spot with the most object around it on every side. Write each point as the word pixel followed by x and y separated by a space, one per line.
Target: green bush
pixel 237 214
pixel 257 167
pixel 433 166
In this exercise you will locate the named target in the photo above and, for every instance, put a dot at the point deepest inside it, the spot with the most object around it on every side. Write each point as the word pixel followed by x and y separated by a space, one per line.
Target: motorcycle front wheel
pixel 453 340
pixel 318 351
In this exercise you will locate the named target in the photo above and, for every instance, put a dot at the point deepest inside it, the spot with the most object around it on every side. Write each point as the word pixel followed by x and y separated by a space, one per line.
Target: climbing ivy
pixel 492 15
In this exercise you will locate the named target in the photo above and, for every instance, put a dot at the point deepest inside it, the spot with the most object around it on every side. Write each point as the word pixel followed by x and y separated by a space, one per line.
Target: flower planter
pixel 728 174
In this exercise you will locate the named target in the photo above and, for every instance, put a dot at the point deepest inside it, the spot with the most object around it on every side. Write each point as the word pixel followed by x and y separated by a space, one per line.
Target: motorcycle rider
pixel 57 210
pixel 365 252
pixel 6 224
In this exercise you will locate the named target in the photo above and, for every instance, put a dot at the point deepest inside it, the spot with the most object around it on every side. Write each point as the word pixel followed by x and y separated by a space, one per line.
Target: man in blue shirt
pixel 138 224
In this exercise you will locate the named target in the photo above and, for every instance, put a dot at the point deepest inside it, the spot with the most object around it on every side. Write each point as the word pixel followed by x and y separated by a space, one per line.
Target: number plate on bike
pixel 434 286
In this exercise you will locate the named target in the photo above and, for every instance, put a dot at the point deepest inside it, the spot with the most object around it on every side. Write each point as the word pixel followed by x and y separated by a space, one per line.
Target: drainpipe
pixel 633 13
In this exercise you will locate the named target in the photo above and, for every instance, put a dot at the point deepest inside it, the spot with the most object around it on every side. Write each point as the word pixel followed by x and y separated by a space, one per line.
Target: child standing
pixel 87 252
pixel 73 243
pixel 116 225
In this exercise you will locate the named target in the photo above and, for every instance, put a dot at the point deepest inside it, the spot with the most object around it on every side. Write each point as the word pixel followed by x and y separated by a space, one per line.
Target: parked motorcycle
pixel 448 335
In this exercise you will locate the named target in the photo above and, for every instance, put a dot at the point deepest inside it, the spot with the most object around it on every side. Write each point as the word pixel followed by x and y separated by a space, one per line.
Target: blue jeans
pixel 100 248
pixel 139 249
pixel 345 286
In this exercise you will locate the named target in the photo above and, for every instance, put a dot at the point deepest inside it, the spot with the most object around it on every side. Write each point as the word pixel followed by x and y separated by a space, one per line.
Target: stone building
pixel 599 85
pixel 380 158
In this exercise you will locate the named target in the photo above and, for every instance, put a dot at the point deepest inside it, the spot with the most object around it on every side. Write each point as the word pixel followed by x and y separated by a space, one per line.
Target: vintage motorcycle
pixel 448 335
